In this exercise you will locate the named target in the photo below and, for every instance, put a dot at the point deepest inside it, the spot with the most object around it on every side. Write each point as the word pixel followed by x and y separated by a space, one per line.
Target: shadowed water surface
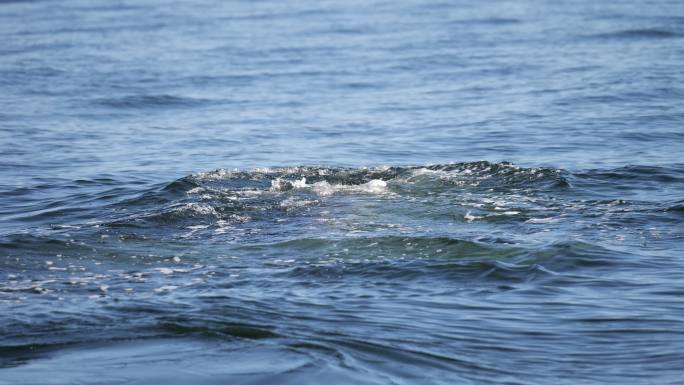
pixel 294 192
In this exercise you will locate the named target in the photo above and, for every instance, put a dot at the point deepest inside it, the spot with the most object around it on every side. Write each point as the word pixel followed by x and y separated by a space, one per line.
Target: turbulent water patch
pixel 412 264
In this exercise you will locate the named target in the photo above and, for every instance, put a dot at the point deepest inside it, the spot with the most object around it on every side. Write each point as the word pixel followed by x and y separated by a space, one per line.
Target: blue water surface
pixel 371 192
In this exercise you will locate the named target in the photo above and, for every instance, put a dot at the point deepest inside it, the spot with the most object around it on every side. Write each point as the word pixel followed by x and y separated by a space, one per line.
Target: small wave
pixel 490 21
pixel 646 33
pixel 655 174
pixel 24 243
pixel 387 248
pixel 440 258
pixel 230 330
pixel 677 207
pixel 150 102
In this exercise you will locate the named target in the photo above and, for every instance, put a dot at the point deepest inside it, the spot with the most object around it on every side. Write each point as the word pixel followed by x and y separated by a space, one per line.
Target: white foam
pixel 279 184
pixel 470 217
pixel 542 220
pixel 196 209
pixel 165 288
pixel 323 188
pixel 292 202
pixel 197 227
pixel 215 175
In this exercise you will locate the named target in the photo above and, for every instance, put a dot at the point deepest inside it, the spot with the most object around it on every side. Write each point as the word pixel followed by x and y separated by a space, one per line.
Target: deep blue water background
pixel 345 192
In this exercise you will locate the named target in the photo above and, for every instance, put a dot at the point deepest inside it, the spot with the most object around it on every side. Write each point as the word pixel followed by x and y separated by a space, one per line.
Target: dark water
pixel 287 192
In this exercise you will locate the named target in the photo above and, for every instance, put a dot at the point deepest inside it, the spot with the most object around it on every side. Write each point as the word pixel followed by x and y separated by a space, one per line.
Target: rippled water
pixel 344 192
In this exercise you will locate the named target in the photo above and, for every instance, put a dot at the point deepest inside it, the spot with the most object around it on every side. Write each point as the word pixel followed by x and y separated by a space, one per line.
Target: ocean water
pixel 341 192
